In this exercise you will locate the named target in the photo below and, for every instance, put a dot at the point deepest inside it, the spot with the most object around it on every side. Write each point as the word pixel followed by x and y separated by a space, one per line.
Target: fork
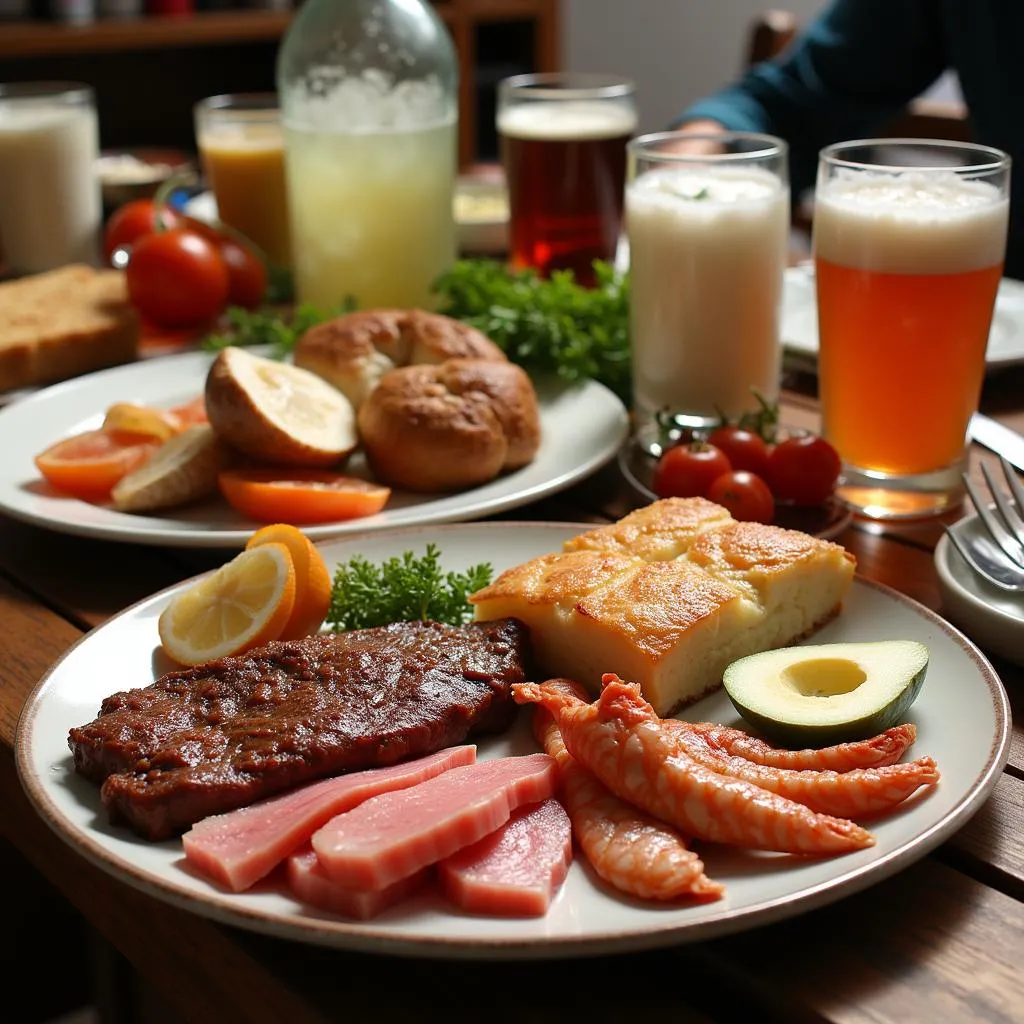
pixel 1000 557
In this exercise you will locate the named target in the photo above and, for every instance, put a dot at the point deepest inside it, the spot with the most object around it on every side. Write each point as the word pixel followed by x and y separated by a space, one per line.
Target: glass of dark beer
pixel 563 145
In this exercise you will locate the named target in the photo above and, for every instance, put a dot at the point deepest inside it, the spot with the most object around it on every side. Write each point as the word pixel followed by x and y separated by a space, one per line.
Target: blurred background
pixel 150 60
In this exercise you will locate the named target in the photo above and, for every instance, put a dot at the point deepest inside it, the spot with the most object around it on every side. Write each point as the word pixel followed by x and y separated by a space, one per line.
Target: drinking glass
pixel 50 205
pixel 708 225
pixel 241 146
pixel 909 238
pixel 563 143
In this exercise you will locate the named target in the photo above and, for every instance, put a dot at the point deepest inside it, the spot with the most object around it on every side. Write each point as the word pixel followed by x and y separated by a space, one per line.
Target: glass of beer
pixel 241 146
pixel 909 240
pixel 708 225
pixel 563 144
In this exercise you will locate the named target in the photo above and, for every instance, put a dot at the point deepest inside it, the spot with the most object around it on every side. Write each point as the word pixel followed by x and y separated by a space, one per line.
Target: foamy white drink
pixel 707 253
pixel 50 207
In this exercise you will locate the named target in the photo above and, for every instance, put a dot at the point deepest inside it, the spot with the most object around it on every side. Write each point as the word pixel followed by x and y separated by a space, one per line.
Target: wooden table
pixel 939 942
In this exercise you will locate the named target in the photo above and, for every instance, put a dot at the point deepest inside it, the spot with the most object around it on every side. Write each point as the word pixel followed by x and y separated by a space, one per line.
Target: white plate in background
pixel 566 455
pixel 799 325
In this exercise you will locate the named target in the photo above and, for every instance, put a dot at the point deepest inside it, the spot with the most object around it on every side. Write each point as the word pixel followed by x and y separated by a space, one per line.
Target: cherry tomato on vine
pixel 687 470
pixel 177 278
pixel 744 448
pixel 745 495
pixel 136 219
pixel 803 469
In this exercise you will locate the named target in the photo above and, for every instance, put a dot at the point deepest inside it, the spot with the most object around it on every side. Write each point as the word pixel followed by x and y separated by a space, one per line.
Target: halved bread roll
pixel 670 623
pixel 354 351
pixel 450 426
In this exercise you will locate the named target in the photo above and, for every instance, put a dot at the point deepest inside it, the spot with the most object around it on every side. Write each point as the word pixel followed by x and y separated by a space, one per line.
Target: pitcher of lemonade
pixel 368 97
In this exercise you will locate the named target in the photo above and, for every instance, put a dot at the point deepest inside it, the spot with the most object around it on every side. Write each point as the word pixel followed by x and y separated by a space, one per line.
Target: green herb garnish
pixel 270 326
pixel 402 589
pixel 547 326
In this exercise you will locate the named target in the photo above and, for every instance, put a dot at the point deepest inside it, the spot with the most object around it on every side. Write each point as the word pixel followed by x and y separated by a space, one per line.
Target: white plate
pixel 962 717
pixel 799 329
pixel 568 452
pixel 991 617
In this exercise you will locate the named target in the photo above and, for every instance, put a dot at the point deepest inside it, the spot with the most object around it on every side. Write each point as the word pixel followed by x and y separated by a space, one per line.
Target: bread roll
pixel 450 426
pixel 354 351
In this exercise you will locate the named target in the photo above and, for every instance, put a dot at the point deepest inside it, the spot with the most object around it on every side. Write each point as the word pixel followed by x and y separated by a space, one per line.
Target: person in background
pixel 860 61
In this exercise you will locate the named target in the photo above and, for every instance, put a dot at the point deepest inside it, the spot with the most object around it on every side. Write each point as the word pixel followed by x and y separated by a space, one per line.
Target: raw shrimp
pixel 621 740
pixel 884 749
pixel 626 847
pixel 853 794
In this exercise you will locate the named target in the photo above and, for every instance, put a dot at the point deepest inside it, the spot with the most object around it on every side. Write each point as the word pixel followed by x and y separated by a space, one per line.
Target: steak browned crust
pixel 208 739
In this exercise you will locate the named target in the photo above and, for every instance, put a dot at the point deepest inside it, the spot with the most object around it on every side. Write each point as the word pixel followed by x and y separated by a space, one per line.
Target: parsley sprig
pixel 554 325
pixel 402 589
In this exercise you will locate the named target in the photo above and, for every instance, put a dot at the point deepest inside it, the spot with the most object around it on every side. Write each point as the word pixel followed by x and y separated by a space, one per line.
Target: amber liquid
pixel 565 201
pixel 901 361
pixel 247 176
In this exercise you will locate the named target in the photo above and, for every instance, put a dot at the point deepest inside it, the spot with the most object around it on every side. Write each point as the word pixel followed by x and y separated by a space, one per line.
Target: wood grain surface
pixel 939 942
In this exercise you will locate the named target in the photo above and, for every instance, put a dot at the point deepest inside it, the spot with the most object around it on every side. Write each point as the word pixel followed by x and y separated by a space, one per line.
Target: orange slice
pixel 312 578
pixel 245 603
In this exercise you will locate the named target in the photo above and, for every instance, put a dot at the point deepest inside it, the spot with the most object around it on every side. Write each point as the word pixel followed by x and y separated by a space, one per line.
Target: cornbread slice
pixel 63 323
pixel 798 580
pixel 663 529
pixel 670 624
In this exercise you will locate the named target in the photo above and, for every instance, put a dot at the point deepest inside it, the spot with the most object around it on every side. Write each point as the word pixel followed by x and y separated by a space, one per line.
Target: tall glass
pixel 909 240
pixel 563 144
pixel 50 202
pixel 241 146
pixel 708 238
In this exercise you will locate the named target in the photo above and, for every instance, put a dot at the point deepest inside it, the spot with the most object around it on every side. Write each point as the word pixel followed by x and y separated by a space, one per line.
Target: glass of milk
pixel 50 204
pixel 707 219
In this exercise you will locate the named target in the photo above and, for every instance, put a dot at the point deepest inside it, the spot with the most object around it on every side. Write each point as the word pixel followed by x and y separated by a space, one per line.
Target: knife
pixel 999 439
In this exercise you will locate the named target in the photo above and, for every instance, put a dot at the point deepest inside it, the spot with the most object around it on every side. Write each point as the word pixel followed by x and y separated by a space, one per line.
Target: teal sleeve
pixel 852 68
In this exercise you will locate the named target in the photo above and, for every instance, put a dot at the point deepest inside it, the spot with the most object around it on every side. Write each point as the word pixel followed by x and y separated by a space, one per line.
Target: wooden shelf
pixel 31 40
pixel 213 28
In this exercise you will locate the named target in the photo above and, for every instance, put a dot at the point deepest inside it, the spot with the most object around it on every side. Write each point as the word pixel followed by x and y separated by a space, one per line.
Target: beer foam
pixel 568 120
pixel 910 222
pixel 690 190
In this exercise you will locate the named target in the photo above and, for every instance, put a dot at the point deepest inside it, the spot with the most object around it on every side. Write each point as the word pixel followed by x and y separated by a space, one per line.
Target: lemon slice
pixel 312 578
pixel 278 412
pixel 245 603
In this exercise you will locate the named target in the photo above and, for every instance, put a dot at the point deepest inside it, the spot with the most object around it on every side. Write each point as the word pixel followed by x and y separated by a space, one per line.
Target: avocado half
pixel 821 694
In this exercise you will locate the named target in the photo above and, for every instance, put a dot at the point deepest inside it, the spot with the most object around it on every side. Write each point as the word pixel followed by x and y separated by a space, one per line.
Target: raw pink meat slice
pixel 240 847
pixel 516 870
pixel 395 834
pixel 309 883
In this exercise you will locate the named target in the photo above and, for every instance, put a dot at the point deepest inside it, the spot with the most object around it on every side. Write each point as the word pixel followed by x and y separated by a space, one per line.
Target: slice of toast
pixel 63 323
pixel 669 596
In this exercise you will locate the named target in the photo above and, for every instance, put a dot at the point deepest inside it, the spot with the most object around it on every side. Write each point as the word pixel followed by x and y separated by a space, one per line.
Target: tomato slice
pixel 191 413
pixel 300 496
pixel 89 464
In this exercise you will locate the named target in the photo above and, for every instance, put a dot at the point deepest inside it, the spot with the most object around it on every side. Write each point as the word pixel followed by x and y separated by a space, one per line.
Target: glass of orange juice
pixel 909 238
pixel 241 147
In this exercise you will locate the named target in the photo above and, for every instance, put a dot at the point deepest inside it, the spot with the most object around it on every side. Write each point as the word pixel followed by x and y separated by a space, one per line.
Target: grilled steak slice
pixel 208 739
